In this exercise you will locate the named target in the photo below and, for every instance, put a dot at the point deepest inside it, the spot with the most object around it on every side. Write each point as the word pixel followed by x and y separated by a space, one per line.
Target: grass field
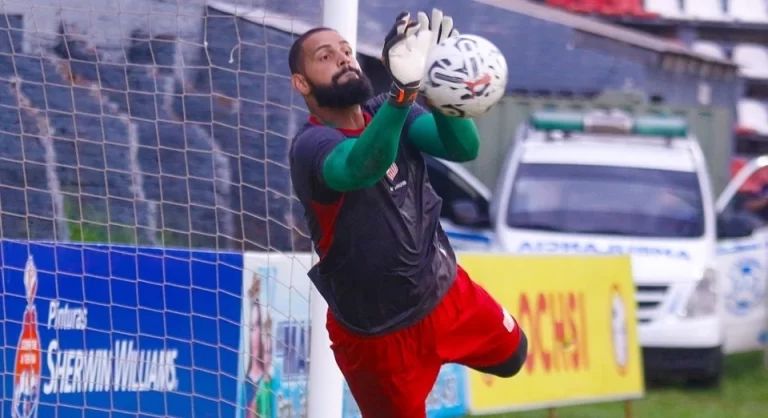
pixel 743 394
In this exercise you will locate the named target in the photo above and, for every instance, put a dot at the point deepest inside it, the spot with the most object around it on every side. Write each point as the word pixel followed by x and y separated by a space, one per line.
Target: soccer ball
pixel 465 76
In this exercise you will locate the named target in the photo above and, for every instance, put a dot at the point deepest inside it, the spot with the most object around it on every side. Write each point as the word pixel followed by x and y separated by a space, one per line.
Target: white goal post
pixel 326 384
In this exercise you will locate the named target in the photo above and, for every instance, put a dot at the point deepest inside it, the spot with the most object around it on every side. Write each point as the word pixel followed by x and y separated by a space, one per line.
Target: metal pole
pixel 326 384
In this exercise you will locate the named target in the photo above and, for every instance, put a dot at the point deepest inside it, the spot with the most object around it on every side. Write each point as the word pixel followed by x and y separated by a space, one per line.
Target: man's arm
pixel 359 163
pixel 446 137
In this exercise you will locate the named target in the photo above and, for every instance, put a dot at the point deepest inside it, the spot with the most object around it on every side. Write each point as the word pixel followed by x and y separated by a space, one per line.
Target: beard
pixel 352 92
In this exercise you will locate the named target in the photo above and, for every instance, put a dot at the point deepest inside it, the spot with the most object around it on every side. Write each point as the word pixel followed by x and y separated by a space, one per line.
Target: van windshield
pixel 606 200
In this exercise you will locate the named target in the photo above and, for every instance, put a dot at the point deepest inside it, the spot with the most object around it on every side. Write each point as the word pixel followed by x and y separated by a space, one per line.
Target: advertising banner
pixel 274 347
pixel 446 400
pixel 276 296
pixel 579 317
pixel 91 331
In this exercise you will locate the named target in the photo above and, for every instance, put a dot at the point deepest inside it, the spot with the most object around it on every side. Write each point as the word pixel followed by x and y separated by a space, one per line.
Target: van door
pixel 742 255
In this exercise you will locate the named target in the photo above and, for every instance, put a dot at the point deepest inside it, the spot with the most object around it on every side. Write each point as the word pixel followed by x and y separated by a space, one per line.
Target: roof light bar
pixel 613 122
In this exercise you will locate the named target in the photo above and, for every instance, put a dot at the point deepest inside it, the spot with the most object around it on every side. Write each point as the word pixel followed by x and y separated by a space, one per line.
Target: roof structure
pixel 583 24
pixel 607 30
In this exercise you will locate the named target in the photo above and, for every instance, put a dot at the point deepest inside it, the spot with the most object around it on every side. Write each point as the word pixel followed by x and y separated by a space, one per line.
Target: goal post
pixel 326 384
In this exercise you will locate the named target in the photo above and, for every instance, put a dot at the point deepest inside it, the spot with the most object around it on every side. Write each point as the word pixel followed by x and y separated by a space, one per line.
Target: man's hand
pixel 440 26
pixel 405 55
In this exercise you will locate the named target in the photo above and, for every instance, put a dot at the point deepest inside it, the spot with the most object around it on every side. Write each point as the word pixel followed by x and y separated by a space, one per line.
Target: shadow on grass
pixel 737 368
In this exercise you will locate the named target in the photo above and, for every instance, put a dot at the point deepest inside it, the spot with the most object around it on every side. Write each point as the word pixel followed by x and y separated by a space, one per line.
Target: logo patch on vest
pixel 392 171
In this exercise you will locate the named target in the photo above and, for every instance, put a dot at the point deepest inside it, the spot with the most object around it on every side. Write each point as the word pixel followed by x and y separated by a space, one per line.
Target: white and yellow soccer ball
pixel 465 76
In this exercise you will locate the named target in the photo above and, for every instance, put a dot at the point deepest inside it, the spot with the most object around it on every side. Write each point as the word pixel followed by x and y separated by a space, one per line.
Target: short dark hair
pixel 294 55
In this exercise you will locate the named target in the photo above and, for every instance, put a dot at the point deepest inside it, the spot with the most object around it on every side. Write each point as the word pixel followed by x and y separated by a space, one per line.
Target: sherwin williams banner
pixel 94 331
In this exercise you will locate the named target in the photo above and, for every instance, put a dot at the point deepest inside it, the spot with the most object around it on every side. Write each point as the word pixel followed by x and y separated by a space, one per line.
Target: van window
pixel 606 200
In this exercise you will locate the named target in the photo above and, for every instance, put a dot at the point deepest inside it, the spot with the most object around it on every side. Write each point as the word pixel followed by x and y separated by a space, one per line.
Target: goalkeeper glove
pixel 440 26
pixel 405 56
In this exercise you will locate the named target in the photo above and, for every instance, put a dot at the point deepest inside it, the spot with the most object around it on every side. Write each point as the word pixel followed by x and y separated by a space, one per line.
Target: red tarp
pixel 604 7
pixel 755 183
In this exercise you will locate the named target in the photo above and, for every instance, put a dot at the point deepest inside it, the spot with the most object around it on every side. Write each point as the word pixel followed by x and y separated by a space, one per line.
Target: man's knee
pixel 513 364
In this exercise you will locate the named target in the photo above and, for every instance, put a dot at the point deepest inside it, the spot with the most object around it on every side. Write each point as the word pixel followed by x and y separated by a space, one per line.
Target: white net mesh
pixel 130 127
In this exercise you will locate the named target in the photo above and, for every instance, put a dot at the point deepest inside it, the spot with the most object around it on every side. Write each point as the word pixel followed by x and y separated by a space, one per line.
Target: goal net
pixel 153 257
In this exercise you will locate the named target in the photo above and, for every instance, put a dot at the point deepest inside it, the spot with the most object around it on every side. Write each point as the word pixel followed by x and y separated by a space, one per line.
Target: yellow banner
pixel 580 320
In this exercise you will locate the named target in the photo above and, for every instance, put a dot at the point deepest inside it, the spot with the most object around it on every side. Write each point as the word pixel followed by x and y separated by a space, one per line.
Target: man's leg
pixel 478 332
pixel 389 376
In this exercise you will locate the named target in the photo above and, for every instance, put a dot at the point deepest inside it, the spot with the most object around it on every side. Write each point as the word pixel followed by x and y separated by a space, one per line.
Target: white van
pixel 605 183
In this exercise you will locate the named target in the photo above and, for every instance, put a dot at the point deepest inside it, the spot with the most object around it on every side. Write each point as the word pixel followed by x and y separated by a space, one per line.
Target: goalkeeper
pixel 399 305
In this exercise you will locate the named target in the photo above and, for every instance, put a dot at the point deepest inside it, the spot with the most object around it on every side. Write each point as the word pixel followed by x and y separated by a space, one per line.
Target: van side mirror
pixel 467 213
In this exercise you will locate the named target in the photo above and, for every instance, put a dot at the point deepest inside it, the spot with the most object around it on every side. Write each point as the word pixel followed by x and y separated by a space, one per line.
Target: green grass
pixel 94 229
pixel 743 394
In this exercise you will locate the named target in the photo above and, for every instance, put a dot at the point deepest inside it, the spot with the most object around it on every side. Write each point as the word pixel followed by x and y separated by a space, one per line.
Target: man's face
pixel 331 73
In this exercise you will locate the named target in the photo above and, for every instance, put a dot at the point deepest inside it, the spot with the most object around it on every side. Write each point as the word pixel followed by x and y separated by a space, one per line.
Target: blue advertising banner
pixel 96 331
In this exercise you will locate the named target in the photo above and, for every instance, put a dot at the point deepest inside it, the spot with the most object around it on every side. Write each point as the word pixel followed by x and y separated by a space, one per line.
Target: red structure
pixel 632 8
pixel 754 184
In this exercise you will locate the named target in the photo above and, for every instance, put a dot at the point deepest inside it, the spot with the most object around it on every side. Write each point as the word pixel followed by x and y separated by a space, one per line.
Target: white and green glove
pixel 405 56
pixel 440 26
pixel 406 48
